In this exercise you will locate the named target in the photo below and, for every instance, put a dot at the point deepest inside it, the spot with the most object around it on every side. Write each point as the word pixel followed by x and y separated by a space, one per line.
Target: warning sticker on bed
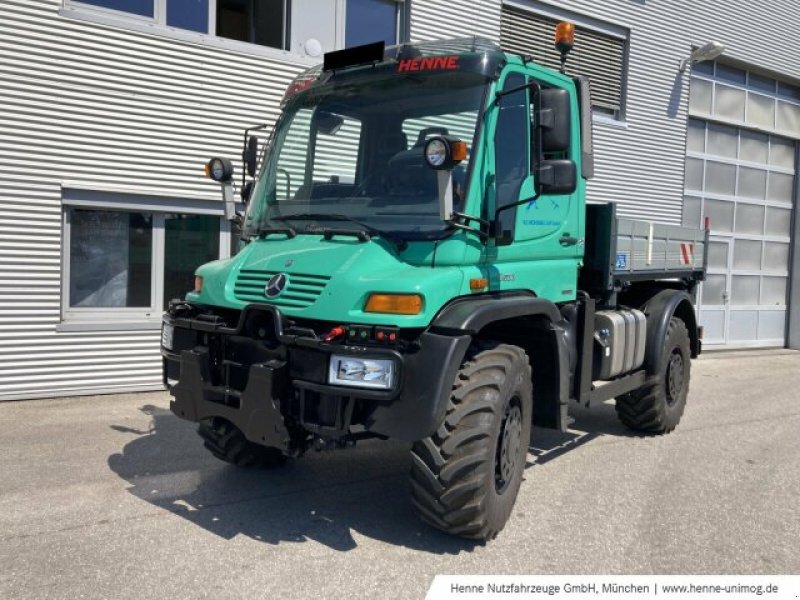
pixel 622 261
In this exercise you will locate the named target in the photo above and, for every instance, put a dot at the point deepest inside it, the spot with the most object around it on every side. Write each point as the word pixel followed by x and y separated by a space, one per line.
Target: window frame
pixel 83 11
pixel 103 316
pixel 402 21
pixel 521 73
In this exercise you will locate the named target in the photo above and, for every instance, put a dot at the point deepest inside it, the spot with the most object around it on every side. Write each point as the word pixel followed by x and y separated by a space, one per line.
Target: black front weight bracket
pixel 257 417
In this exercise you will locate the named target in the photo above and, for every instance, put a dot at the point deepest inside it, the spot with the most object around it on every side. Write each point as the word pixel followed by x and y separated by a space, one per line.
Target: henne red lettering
pixel 448 63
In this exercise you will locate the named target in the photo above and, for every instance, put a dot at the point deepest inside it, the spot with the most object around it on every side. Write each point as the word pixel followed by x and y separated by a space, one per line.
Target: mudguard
pixel 473 313
pixel 551 358
pixel 659 310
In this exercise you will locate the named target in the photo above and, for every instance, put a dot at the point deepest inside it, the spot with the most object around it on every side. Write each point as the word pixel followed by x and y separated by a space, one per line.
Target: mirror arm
pixel 482 232
pixel 534 85
pixel 469 218
pixel 479 232
pixel 494 224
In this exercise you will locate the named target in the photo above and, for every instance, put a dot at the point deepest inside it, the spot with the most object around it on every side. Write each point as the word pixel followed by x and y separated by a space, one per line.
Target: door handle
pixel 567 240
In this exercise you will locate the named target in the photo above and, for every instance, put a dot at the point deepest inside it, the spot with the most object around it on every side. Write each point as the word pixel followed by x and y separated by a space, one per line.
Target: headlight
pixel 361 372
pixel 167 335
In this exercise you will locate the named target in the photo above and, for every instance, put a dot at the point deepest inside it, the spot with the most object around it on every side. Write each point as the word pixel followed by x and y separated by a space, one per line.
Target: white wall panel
pixel 438 19
pixel 101 107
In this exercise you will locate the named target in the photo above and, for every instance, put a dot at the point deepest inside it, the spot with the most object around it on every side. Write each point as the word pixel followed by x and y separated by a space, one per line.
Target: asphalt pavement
pixel 114 497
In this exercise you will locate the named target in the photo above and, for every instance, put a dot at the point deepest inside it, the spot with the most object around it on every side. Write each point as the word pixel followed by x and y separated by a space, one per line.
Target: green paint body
pixel 536 261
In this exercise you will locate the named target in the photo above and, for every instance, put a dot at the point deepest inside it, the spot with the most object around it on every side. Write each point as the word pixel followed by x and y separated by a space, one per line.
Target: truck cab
pixel 418 262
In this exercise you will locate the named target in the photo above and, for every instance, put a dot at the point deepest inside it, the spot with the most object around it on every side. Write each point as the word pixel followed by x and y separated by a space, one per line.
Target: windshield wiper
pixel 399 243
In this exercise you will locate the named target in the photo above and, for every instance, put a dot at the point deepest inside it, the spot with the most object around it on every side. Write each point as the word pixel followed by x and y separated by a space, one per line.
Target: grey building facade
pixel 110 108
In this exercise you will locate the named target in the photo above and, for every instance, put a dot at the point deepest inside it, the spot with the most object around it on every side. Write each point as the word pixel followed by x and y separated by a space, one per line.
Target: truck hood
pixel 327 279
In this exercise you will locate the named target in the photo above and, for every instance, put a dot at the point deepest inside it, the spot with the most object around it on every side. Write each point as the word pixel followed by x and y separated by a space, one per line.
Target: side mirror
pixel 556 177
pixel 250 155
pixel 554 120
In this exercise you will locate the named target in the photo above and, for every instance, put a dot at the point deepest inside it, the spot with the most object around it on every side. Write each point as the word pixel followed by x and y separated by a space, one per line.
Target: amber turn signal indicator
pixel 198 284
pixel 396 304
pixel 565 36
pixel 458 150
pixel 478 284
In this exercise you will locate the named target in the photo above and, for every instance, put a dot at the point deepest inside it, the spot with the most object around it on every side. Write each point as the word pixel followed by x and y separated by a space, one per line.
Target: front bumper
pixel 272 383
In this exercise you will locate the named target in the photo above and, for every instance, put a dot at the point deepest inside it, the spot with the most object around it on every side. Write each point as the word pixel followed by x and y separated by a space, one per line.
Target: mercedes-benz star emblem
pixel 275 285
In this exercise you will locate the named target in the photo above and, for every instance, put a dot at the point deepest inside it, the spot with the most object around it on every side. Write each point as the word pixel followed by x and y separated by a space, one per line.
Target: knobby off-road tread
pixel 227 442
pixel 452 472
pixel 647 409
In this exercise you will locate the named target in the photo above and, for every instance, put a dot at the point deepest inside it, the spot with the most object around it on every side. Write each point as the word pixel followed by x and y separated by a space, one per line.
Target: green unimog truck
pixel 418 261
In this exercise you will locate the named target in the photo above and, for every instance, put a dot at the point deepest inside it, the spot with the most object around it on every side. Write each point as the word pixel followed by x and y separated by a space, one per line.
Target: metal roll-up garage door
pixel 741 174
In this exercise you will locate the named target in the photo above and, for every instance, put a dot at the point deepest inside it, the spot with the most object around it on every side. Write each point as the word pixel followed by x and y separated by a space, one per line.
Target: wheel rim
pixel 508 448
pixel 675 377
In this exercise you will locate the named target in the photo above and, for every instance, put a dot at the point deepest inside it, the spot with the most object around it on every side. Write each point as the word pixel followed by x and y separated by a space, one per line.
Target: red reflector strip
pixel 298 86
pixel 687 253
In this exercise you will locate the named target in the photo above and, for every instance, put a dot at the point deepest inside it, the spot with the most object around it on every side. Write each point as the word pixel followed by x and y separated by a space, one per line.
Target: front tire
pixel 465 477
pixel 227 442
pixel 658 408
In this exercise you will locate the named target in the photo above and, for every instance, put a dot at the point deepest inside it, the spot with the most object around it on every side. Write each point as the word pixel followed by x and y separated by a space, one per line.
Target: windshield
pixel 354 150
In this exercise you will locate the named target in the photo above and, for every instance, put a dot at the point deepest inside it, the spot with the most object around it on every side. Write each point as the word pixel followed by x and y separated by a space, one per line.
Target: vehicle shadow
pixel 588 424
pixel 330 497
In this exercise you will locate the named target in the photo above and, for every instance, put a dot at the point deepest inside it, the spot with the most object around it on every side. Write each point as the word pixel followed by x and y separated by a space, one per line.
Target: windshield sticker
pixel 433 63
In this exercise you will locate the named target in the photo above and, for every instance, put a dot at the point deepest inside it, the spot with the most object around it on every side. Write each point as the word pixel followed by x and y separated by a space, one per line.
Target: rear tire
pixel 465 477
pixel 658 408
pixel 227 442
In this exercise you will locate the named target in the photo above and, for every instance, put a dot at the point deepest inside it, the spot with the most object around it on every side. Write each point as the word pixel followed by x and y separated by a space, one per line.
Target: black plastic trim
pixel 659 310
pixel 470 314
pixel 413 409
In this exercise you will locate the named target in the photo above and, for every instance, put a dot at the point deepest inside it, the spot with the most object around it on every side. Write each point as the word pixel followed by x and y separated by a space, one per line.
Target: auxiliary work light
pixel 444 152
pixel 219 169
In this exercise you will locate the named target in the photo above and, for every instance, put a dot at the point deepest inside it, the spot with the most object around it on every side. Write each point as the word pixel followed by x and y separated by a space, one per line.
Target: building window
pixel 262 22
pixel 188 14
pixel 144 8
pixel 303 27
pixel 124 265
pixel 372 21
pixel 597 55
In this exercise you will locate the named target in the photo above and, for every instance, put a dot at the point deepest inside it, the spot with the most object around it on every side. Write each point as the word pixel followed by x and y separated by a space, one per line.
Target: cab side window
pixel 512 161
